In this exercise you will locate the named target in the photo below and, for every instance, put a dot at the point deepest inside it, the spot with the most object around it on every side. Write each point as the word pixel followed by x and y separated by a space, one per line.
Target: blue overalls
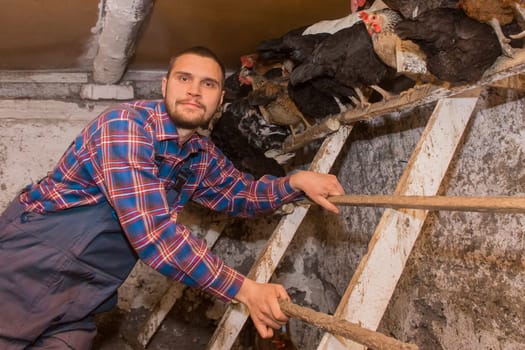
pixel 56 271
pixel 59 269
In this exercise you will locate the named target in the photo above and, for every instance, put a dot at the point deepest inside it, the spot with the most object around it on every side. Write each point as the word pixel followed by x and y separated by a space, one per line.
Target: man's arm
pixel 226 189
pixel 124 152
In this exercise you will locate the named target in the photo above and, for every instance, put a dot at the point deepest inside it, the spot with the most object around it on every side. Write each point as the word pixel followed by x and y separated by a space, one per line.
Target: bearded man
pixel 69 241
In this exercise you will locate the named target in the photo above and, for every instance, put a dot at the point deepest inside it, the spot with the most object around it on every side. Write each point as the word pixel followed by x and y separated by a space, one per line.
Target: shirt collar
pixel 166 129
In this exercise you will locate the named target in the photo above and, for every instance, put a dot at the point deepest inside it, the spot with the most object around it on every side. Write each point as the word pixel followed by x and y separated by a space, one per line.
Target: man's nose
pixel 194 89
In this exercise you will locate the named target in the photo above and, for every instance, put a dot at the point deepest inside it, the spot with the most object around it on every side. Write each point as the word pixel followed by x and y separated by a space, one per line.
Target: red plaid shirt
pixel 130 157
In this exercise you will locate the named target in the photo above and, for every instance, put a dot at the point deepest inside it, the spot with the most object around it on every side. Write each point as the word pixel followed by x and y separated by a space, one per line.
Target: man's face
pixel 193 91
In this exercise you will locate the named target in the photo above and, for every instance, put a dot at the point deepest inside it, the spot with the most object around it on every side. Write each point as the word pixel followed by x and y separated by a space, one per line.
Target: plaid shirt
pixel 130 157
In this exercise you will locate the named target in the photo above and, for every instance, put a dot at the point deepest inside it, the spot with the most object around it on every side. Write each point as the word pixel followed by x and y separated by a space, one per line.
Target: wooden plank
pixel 236 314
pixel 175 290
pixel 503 68
pixel 515 82
pixel 323 129
pixel 338 326
pixel 375 279
pixel 497 204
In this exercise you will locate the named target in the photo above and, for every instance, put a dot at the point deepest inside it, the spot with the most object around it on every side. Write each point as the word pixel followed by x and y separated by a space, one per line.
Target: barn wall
pixel 463 285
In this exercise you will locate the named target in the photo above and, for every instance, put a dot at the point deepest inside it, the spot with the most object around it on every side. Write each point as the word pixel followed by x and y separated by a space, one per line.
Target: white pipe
pixel 122 22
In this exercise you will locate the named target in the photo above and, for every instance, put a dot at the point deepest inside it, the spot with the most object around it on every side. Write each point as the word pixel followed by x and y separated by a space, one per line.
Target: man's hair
pixel 199 51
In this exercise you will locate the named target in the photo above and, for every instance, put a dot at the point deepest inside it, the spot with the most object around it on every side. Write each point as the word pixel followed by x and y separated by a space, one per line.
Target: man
pixel 68 242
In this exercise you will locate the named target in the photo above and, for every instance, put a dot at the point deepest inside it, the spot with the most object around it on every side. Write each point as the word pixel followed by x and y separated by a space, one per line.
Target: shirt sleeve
pixel 226 189
pixel 124 151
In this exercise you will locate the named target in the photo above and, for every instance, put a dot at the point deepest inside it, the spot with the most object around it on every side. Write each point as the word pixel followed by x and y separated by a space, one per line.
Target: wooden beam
pixel 515 82
pixel 338 326
pixel 373 283
pixel 323 129
pixel 504 67
pixel 501 204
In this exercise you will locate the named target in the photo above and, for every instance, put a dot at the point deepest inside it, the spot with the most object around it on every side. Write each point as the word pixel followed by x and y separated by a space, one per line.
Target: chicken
pixel 496 13
pixel 335 25
pixel 233 88
pixel 403 55
pixel 411 9
pixel 293 45
pixel 458 48
pixel 298 44
pixel 315 99
pixel 268 68
pixel 244 137
pixel 347 57
pixel 273 101
pixel 320 97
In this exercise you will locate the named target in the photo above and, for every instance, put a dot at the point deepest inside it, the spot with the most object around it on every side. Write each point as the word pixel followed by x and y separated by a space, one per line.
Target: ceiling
pixel 62 34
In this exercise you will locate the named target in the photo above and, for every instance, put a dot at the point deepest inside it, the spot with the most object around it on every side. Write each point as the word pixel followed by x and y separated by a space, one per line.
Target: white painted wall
pixel 33 136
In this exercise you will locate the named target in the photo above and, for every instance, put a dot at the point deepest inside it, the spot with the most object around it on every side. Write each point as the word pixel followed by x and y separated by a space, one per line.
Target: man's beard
pixel 181 121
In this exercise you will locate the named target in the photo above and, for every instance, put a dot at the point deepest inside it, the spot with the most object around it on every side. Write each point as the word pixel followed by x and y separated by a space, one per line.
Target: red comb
pixel 247 61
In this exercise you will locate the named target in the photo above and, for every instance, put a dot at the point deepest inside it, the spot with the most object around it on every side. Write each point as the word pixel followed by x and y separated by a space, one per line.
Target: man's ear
pixel 164 83
pixel 220 101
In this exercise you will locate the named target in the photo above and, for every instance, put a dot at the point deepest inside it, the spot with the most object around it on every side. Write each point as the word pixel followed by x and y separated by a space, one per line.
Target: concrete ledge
pixel 107 92
pixel 43 77
pixel 51 109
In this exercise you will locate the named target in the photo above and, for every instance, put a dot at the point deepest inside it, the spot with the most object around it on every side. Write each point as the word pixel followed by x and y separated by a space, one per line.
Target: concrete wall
pixel 464 282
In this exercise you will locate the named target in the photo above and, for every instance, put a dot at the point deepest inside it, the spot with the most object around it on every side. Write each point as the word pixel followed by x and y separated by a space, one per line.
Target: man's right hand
pixel 262 301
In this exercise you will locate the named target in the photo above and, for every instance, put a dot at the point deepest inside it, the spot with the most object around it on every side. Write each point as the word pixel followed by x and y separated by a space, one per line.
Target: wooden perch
pixel 326 127
pixel 337 326
pixel 484 204
pixel 503 68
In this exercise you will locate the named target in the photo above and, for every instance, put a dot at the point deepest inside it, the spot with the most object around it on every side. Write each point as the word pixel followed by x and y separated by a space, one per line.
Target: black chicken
pixel 292 45
pixel 458 48
pixel 316 98
pixel 411 9
pixel 274 102
pixel 347 57
pixel 233 88
pixel 244 137
pixel 320 97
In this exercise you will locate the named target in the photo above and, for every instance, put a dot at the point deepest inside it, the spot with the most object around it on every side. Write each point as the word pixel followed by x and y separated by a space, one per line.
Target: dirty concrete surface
pixel 119 329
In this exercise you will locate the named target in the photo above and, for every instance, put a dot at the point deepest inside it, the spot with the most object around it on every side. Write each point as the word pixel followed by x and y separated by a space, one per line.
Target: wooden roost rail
pixel 503 68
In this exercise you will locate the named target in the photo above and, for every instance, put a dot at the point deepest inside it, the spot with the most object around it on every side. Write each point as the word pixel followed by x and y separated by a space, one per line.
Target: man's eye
pixel 210 84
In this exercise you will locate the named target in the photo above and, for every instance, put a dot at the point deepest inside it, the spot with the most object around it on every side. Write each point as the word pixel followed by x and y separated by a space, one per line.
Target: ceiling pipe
pixel 116 43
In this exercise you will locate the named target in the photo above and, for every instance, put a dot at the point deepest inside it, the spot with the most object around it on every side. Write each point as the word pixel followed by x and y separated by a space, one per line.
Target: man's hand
pixel 318 187
pixel 261 299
